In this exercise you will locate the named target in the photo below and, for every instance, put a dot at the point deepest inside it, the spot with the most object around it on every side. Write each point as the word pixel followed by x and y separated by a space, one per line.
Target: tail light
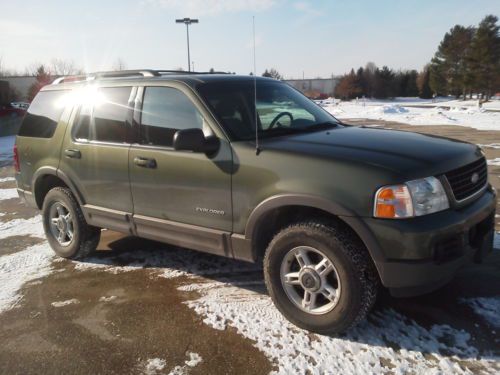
pixel 16 159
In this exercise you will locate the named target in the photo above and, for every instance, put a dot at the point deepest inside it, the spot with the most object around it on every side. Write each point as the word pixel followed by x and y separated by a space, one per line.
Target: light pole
pixel 187 21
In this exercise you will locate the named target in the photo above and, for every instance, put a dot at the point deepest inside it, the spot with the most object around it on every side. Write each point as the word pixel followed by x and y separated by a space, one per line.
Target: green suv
pixel 249 168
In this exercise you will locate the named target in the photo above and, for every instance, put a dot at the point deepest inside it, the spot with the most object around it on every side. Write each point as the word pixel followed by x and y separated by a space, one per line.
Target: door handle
pixel 145 162
pixel 76 154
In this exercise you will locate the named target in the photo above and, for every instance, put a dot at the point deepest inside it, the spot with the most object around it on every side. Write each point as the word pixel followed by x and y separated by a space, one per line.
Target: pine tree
pixel 484 58
pixel 43 78
pixel 449 67
pixel 423 83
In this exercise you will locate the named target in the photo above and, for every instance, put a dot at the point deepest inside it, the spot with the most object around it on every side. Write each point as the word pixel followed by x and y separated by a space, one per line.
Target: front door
pixel 180 197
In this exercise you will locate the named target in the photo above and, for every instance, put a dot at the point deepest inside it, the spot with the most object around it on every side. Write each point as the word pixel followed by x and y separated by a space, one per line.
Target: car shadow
pixel 444 318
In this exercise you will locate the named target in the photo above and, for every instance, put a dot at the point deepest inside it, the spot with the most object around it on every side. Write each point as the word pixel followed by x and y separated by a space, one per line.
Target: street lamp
pixel 187 22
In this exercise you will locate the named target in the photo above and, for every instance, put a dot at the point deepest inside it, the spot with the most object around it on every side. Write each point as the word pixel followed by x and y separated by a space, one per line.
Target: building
pixel 315 87
pixel 21 84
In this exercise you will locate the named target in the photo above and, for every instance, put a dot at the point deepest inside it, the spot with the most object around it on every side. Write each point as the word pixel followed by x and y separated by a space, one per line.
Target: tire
pixel 84 238
pixel 351 275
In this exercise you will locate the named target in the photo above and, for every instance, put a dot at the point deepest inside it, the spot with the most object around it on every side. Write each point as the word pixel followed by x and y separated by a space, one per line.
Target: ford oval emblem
pixel 474 178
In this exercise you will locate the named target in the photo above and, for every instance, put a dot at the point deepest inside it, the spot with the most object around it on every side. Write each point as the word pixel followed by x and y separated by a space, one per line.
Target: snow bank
pixel 396 111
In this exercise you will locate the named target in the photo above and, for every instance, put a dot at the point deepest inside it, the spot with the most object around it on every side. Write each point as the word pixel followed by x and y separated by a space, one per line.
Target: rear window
pixel 43 114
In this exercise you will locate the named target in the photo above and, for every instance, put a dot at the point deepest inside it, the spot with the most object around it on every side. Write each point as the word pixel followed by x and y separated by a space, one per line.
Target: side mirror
pixel 194 140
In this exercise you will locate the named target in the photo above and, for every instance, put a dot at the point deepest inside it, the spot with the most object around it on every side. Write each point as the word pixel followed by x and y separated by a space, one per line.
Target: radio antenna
pixel 257 147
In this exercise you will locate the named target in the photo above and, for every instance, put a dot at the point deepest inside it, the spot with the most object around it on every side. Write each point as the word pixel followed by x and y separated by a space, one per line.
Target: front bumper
pixel 424 253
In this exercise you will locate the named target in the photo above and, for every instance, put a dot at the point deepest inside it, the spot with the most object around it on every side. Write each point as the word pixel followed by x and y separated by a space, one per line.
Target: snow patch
pixel 107 299
pixel 388 342
pixel 153 366
pixel 486 307
pixel 193 361
pixel 7 179
pixel 72 301
pixel 495 161
pixel 391 109
pixel 19 268
pixel 8 194
pixel 492 145
pixel 22 227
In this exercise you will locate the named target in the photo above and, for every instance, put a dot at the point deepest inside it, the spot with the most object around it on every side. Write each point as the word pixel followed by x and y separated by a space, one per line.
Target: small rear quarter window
pixel 43 114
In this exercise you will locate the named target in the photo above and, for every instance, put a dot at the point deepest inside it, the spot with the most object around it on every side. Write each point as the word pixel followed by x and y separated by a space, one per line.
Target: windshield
pixel 281 109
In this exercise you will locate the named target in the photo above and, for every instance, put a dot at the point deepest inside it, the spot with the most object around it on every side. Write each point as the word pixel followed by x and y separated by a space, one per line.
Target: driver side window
pixel 164 111
pixel 274 103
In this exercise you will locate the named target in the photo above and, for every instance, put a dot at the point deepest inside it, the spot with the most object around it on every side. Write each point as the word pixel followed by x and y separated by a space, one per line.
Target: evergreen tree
pixel 423 83
pixel 449 67
pixel 484 59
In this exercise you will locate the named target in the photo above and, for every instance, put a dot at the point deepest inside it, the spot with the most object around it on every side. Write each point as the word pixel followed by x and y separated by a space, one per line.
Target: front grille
pixel 461 181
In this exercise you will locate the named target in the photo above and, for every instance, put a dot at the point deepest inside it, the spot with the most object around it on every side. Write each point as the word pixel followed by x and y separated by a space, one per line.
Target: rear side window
pixel 166 110
pixel 105 120
pixel 43 114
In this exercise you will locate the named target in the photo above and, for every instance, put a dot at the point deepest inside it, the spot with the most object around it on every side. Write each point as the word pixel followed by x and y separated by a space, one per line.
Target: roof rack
pixel 124 74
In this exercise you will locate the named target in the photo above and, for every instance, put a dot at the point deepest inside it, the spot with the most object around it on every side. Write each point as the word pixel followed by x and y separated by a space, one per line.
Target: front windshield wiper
pixel 305 129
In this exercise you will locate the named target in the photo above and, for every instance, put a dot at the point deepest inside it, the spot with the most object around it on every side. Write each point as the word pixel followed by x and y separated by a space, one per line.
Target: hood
pixel 407 154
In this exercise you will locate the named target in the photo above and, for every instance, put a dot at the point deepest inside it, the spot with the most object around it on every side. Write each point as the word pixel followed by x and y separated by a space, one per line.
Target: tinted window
pixel 43 114
pixel 166 110
pixel 81 128
pixel 281 110
pixel 110 114
pixel 108 122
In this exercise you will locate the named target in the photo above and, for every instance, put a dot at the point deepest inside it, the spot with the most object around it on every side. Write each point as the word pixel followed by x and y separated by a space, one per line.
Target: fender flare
pixel 354 221
pixel 61 175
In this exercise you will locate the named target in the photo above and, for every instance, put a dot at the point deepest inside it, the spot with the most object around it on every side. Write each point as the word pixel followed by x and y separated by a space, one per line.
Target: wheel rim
pixel 61 224
pixel 310 280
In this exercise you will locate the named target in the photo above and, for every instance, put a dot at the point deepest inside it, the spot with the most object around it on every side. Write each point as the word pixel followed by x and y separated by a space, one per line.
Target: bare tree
pixel 60 67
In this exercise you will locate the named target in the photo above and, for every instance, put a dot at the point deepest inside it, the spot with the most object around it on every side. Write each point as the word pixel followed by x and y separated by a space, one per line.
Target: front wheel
pixel 68 233
pixel 320 277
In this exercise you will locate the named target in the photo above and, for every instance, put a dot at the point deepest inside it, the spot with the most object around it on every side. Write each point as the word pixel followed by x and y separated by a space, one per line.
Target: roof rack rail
pixel 162 71
pixel 124 74
pixel 107 74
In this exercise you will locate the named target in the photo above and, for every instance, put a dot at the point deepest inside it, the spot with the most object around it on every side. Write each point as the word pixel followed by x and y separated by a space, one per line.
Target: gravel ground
pixel 142 307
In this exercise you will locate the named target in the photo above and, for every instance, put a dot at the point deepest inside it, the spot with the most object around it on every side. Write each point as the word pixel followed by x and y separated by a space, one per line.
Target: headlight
pixel 414 198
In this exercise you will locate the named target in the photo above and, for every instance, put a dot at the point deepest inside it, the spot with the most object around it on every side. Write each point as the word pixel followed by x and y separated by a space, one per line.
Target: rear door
pixel 180 197
pixel 95 155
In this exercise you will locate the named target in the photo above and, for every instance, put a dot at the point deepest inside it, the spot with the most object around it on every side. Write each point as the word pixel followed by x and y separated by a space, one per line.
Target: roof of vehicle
pixel 190 78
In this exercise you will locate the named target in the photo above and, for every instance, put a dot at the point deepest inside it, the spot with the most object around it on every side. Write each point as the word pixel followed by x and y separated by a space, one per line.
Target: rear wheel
pixel 320 276
pixel 68 233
